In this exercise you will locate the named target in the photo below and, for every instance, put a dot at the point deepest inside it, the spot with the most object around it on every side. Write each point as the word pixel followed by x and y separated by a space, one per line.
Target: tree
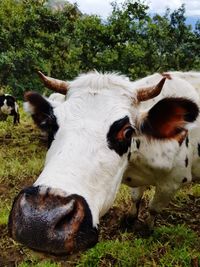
pixel 62 42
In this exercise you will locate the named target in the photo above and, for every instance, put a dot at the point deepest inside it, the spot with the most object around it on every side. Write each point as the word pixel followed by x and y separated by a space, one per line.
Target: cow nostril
pixel 65 219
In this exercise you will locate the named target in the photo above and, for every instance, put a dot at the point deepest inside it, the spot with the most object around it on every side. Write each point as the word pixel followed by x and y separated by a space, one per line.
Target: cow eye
pixel 125 134
pixel 128 132
pixel 119 135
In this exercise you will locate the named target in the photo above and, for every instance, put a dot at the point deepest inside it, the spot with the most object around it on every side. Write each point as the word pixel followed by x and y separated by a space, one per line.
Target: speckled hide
pixel 166 164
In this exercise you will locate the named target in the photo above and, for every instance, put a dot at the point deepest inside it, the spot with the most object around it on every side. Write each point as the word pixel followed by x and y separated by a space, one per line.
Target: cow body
pixel 165 164
pixel 9 106
pixel 102 132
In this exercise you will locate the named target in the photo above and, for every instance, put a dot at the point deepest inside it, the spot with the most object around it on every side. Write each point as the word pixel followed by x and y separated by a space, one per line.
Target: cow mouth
pixel 48 220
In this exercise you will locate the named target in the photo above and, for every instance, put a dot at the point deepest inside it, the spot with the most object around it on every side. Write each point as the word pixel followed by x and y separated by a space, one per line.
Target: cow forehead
pixel 99 97
pixel 96 82
pixel 93 109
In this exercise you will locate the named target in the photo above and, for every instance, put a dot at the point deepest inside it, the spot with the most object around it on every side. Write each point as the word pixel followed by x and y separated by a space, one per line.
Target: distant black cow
pixel 9 106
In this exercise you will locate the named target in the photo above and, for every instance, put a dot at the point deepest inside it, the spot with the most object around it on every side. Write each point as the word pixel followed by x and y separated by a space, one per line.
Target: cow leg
pixel 15 115
pixel 16 118
pixel 136 194
pixel 129 221
pixel 140 227
pixel 162 197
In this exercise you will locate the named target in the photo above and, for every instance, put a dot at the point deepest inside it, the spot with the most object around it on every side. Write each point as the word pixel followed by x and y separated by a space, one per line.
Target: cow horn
pixel 147 93
pixel 56 85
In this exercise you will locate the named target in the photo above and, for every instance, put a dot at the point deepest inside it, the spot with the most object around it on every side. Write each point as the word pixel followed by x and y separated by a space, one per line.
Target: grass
pixel 166 247
pixel 4 213
pixel 174 243
pixel 45 263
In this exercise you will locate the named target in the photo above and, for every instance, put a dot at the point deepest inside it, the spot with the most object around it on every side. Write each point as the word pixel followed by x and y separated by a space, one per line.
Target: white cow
pixel 108 128
pixel 165 164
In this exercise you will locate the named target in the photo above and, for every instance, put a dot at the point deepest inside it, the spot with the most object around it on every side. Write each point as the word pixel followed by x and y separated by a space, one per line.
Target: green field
pixel 175 241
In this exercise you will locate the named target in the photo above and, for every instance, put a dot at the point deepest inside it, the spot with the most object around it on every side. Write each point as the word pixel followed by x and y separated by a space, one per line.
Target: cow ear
pixel 41 111
pixel 168 118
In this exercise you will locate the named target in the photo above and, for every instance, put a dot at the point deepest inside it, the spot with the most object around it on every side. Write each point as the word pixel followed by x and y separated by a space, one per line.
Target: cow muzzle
pixel 48 220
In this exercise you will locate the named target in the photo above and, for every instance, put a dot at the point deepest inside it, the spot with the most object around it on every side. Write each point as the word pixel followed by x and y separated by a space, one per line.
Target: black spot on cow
pixel 129 156
pixel 31 191
pixel 120 145
pixel 186 141
pixel 138 144
pixel 186 161
pixel 198 150
pixel 184 180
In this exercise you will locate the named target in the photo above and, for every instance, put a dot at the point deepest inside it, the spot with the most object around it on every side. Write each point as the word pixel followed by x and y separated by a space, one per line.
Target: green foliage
pixel 63 42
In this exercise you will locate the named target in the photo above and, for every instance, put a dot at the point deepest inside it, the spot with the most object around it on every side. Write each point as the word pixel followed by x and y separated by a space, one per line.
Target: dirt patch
pixel 184 212
pixel 10 256
pixel 119 220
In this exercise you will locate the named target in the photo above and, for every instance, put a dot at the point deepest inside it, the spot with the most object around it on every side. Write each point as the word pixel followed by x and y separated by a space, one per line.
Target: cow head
pixel 91 135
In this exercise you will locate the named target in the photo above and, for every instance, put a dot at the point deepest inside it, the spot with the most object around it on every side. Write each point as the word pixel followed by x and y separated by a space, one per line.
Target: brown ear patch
pixel 168 117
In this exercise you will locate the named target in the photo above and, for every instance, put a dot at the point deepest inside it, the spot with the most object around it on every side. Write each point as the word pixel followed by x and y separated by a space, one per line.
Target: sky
pixel 103 7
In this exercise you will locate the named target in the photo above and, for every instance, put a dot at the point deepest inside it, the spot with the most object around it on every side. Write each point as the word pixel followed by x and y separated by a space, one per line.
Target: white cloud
pixel 159 6
pixel 103 7
pixel 99 7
